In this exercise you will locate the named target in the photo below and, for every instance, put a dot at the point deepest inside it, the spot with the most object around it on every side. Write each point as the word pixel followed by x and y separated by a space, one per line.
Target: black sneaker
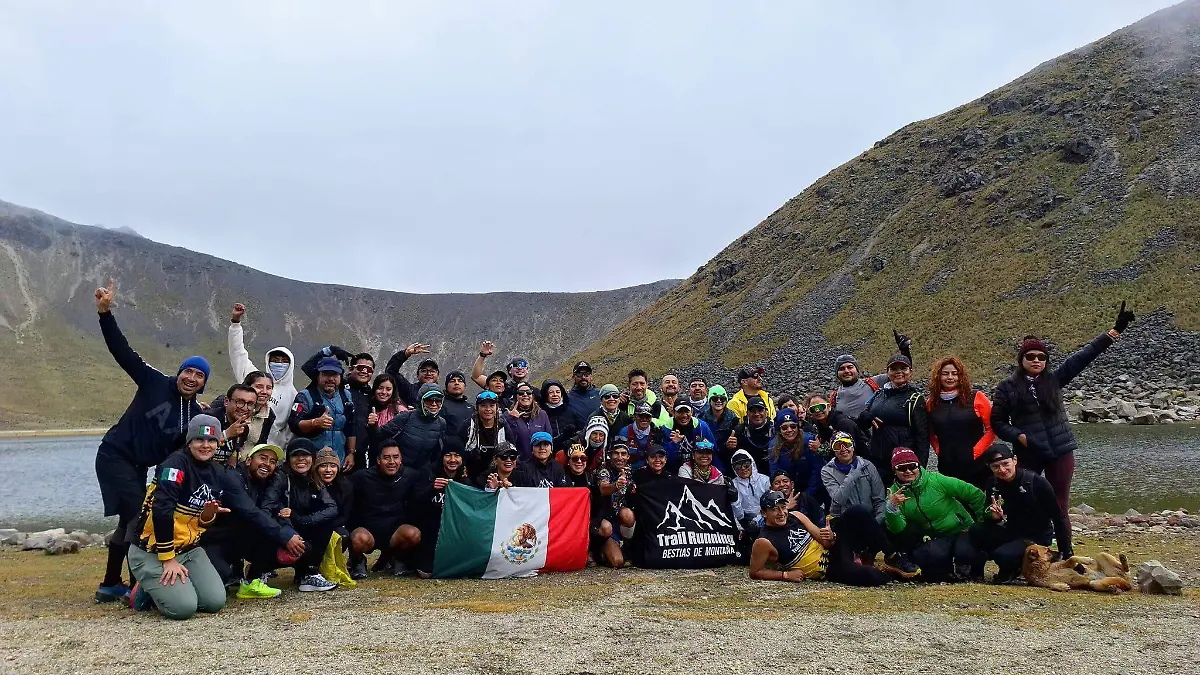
pixel 963 574
pixel 358 569
pixel 399 569
pixel 899 565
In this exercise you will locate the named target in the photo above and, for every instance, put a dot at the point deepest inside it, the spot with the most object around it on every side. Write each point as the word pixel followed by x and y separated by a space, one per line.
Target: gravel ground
pixel 605 621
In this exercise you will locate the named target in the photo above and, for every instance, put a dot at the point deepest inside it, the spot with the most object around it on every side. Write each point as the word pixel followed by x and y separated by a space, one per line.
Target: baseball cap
pixel 582 365
pixel 519 362
pixel 682 404
pixel 486 396
pixel 642 409
pixel 655 450
pixel 541 437
pixel 750 371
pixel 500 374
pixel 995 453
pixel 900 358
pixel 704 445
pixel 265 447
pixel 204 427
pixel 428 363
pixel 756 402
pixel 328 364
pixel 506 449
pixel 300 446
pixel 771 499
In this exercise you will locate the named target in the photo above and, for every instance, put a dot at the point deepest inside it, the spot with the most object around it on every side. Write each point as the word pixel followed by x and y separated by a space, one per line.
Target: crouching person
pixel 800 550
pixel 613 520
pixel 379 518
pixel 751 486
pixel 171 571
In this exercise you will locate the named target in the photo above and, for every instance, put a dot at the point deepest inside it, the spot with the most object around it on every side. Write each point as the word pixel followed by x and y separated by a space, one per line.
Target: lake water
pixel 51 482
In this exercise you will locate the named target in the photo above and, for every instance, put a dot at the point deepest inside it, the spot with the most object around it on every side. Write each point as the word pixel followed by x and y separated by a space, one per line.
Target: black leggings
pixel 857 532
pixel 937 557
pixel 1004 546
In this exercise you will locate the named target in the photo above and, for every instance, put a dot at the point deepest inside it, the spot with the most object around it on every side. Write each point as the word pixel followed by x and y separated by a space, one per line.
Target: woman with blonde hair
pixel 960 426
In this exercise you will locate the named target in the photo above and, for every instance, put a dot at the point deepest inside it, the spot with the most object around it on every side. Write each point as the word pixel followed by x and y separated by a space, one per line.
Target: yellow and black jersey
pixel 170 521
pixel 796 548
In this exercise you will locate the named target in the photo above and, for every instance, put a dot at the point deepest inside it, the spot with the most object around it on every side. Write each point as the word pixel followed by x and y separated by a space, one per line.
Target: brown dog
pixel 1102 573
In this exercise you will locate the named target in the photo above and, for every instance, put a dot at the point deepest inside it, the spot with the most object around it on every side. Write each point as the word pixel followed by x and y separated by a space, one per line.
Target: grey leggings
pixel 201 590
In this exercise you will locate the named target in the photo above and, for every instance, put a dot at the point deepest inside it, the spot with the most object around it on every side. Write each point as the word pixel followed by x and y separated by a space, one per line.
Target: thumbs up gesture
pixel 325 421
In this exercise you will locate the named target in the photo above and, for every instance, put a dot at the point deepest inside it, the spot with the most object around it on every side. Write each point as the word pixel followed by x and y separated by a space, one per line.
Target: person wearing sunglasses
pixel 960 424
pixel 754 434
pixel 720 420
pixel 928 516
pixel 1028 410
pixel 750 381
pixel 516 372
pixel 357 381
pixel 584 396
pixel 524 419
pixel 641 435
pixel 825 421
pixel 577 471
pixel 896 417
pixel 790 450
pixel 483 433
pixel 615 415
pixel 504 472
pixel 419 432
pixel 428 372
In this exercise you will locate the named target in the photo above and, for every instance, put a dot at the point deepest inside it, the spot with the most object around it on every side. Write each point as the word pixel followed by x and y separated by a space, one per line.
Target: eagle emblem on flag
pixel 522 546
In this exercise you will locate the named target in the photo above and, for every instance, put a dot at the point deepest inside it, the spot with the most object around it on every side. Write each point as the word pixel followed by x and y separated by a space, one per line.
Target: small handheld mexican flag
pixel 513 532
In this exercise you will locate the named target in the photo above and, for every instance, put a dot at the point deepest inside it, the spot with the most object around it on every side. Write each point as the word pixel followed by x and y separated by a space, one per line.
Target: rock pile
pixel 1130 400
pixel 1084 518
pixel 53 542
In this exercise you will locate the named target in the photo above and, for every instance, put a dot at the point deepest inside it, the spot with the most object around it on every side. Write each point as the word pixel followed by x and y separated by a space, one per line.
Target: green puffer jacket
pixel 937 506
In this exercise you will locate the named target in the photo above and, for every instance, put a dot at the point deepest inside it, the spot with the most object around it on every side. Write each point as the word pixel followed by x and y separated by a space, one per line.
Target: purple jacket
pixel 519 431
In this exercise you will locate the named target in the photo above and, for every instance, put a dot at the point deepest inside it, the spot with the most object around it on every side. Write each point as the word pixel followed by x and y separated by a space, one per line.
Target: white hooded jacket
pixel 285 391
pixel 750 490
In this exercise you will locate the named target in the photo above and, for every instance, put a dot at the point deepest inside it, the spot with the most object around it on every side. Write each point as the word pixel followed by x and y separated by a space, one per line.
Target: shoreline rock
pixel 1087 520
pixel 54 541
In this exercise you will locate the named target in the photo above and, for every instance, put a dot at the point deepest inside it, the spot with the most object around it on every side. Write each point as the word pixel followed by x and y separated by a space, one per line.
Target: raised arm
pixel 138 370
pixel 485 350
pixel 239 358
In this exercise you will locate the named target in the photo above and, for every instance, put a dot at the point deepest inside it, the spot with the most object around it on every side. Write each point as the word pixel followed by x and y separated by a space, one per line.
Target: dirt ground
pixel 602 621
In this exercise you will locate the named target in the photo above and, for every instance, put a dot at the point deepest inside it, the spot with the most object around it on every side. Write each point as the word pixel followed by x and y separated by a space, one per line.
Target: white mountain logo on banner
pixel 705 516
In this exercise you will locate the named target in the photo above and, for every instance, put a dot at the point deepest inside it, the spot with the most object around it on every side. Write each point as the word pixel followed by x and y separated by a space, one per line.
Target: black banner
pixel 684 523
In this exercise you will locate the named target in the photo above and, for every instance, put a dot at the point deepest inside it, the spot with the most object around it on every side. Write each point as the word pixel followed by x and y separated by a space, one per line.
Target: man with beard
pixel 154 425
pixel 584 397
pixel 750 381
pixel 669 388
pixel 698 396
pixel 639 392
pixel 855 389
pixel 324 412
pixel 753 435
pixel 358 382
pixel 456 409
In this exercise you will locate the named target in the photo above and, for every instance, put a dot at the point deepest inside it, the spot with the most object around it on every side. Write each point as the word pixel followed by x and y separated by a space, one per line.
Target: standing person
pixel 750 381
pixel 698 396
pixel 419 432
pixel 564 423
pixel 584 397
pixel 483 434
pixel 524 419
pixel 380 518
pixel 171 571
pixel 641 435
pixel 428 372
pixel 356 382
pixel 429 498
pixel 1022 508
pixel 304 504
pixel 669 386
pixel 323 412
pixel 720 420
pixel 154 425
pixel 385 405
pixel 790 450
pixel 615 415
pixel 754 434
pixel 827 422
pixel 896 418
pixel 682 434
pixel 234 413
pixel 960 422
pixel 854 388
pixel 639 392
pixel 928 516
pixel 1028 410
pixel 279 363
pixel 456 409
pixel 517 371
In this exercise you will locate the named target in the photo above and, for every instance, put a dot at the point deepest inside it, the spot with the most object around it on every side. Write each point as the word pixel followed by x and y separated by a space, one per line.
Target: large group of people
pixel 831 485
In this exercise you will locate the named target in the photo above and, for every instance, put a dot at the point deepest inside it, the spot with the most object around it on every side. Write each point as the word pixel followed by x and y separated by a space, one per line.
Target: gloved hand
pixel 904 343
pixel 1124 318
pixel 338 353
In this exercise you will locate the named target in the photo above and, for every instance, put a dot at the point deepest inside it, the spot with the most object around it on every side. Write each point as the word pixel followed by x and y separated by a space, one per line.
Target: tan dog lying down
pixel 1102 573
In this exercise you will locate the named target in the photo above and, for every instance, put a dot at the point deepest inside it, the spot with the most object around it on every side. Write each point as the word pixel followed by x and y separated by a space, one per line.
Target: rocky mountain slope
pixel 1034 209
pixel 173 302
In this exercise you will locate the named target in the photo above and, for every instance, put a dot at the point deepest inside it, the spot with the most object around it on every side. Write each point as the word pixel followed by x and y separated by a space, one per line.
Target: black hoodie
pixel 418 433
pixel 456 410
pixel 564 422
pixel 380 499
pixel 542 475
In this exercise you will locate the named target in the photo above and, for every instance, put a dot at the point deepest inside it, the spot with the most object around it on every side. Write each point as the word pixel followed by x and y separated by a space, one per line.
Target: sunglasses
pixel 788 426
pixel 363 368
pixel 610 396
pixel 525 393
pixel 434 399
pixel 907 468
pixel 578 458
pixel 520 364
pixel 818 407
pixel 722 399
pixel 1035 357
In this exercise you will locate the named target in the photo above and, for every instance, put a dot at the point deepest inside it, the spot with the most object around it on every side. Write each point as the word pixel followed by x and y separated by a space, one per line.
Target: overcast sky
pixel 428 146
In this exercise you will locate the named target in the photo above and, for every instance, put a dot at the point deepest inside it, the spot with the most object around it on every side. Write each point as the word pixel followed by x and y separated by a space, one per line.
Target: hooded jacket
pixel 155 423
pixel 1015 411
pixel 418 433
pixel 312 507
pixel 284 393
pixel 905 424
pixel 564 422
pixel 539 475
pixel 861 486
pixel 937 506
pixel 750 490
pixel 805 470
pixel 520 430
pixel 246 498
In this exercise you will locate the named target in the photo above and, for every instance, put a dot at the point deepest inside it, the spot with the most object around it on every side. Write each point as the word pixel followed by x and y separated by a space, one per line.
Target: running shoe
pixel 317 583
pixel 140 600
pixel 358 569
pixel 112 593
pixel 899 565
pixel 257 589
pixel 400 569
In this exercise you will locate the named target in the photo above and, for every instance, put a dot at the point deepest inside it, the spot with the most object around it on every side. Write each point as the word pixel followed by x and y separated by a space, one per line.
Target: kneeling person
pixel 379 517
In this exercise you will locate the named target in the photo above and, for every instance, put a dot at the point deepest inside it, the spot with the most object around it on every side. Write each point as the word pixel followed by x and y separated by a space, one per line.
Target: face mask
pixel 278 370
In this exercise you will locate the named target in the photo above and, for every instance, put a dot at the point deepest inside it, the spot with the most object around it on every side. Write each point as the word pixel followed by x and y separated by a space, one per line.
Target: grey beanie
pixel 844 359
pixel 205 427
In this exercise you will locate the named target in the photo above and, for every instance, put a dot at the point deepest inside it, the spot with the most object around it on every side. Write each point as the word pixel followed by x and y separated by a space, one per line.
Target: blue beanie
pixel 785 415
pixel 199 363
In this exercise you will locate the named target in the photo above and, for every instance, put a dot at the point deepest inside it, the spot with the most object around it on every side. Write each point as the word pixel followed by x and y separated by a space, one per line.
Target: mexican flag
pixel 513 532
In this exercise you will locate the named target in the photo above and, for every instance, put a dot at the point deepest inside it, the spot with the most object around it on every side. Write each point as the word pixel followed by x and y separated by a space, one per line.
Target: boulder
pixel 36 541
pixel 62 545
pixel 1189 521
pixel 1155 578
pixel 1144 418
pixel 1075 411
pixel 1086 510
pixel 81 536
pixel 1126 409
pixel 11 538
pixel 1131 513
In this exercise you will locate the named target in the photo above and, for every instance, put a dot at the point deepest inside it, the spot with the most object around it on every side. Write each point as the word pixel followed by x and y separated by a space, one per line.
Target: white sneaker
pixel 316 582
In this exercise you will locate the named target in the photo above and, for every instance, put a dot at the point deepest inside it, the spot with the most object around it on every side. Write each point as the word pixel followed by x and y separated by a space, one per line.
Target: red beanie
pixel 904 456
pixel 1031 344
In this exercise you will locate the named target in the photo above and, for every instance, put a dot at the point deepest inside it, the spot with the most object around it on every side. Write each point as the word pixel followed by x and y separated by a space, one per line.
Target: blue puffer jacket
pixel 155 423
pixel 418 433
